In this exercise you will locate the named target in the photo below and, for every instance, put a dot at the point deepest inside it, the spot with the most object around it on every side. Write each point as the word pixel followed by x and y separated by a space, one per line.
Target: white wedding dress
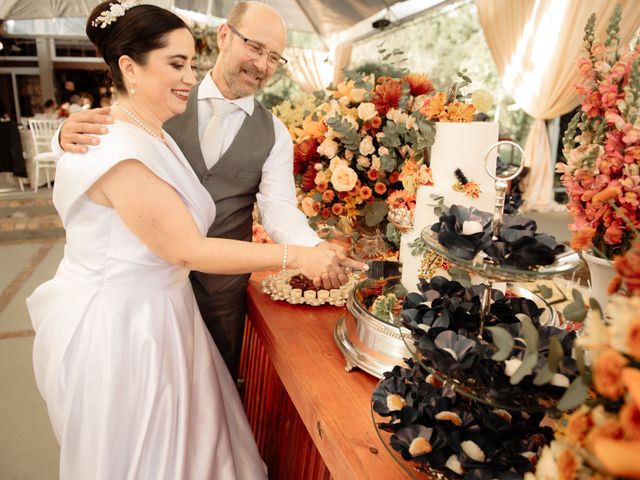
pixel 134 385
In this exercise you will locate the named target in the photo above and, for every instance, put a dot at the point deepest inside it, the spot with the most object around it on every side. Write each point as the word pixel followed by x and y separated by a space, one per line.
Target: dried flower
pixel 607 374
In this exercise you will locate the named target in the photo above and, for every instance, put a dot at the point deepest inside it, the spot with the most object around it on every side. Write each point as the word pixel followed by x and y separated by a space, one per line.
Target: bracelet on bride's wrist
pixel 285 255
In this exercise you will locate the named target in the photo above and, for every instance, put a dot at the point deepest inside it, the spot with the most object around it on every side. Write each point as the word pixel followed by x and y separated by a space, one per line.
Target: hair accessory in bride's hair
pixel 469 188
pixel 116 10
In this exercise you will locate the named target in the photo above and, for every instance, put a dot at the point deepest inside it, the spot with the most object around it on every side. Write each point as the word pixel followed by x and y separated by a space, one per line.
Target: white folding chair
pixel 42 131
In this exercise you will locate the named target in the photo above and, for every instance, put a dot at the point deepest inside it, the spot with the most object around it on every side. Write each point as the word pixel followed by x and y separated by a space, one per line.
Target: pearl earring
pixel 133 89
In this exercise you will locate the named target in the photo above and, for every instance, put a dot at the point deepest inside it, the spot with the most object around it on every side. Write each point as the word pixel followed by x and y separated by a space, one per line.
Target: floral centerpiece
pixel 601 439
pixel 363 149
pixel 602 145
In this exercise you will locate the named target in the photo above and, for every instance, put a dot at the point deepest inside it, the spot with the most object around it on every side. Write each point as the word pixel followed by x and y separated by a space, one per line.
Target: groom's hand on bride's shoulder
pixel 81 129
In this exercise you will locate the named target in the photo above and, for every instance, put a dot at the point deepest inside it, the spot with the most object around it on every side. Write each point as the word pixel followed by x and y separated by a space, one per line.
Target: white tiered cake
pixel 457 145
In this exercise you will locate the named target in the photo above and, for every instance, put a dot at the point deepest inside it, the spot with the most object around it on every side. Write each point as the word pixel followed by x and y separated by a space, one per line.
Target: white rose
pixel 482 100
pixel 328 148
pixel 308 207
pixel 357 94
pixel 348 154
pixel 469 227
pixel 367 111
pixel 375 162
pixel 366 146
pixel 321 177
pixel 344 178
pixel 336 162
pixel 344 100
pixel 364 161
pixel 380 135
pixel 383 151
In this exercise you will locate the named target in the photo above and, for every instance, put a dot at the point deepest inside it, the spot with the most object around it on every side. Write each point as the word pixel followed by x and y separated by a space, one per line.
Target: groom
pixel 251 160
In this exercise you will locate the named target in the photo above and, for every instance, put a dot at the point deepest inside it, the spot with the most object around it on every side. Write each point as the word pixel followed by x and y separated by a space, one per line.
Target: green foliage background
pixel 439 43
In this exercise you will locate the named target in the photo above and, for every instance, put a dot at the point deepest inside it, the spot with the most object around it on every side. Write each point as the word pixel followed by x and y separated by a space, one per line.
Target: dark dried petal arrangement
pixel 452 436
pixel 516 363
pixel 467 232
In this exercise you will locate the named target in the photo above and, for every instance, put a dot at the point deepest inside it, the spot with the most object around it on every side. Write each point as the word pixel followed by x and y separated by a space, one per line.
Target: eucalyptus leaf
pixel 530 334
pixel 576 310
pixel 556 353
pixel 375 212
pixel 545 291
pixel 543 377
pixel 503 340
pixel 460 275
pixel 579 356
pixel 593 304
pixel 575 395
pixel 525 369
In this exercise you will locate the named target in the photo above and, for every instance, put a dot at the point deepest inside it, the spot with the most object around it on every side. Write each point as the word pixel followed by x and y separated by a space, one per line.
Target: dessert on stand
pixel 486 366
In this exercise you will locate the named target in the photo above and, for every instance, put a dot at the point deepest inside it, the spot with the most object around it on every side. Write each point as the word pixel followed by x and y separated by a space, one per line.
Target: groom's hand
pixel 81 128
pixel 330 280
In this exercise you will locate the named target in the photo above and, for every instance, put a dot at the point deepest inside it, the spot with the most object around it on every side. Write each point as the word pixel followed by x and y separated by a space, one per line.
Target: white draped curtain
pixel 315 69
pixel 535 44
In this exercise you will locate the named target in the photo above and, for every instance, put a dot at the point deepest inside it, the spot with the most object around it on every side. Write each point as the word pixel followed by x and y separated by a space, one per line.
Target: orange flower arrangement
pixel 602 146
pixel 366 140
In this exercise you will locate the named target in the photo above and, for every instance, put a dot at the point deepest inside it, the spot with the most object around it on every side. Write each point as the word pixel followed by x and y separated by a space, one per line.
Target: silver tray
pixel 376 346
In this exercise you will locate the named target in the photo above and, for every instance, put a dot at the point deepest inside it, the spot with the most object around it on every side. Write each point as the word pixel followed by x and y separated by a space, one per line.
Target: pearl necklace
pixel 139 122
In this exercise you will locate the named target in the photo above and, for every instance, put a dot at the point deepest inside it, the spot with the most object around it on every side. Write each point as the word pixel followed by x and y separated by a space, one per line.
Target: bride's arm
pixel 154 212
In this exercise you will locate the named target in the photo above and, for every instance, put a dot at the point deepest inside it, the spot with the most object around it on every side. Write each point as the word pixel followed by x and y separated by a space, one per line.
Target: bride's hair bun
pixel 141 29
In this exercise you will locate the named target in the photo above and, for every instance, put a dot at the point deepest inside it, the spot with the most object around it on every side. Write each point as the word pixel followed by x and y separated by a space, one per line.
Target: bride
pixel 134 386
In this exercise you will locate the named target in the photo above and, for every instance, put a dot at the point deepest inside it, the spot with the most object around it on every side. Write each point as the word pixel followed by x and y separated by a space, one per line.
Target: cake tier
pixel 457 145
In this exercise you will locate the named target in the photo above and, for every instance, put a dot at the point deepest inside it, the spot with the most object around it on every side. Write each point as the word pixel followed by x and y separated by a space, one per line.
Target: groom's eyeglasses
pixel 257 50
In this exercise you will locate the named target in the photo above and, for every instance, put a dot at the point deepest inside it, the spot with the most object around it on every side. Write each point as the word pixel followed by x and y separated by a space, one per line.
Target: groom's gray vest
pixel 233 181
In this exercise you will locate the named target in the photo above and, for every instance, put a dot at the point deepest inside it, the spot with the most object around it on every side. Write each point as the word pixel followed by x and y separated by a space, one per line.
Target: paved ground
pixel 31 245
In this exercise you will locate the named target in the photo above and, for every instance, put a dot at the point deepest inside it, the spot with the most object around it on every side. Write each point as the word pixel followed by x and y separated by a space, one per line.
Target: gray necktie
pixel 213 135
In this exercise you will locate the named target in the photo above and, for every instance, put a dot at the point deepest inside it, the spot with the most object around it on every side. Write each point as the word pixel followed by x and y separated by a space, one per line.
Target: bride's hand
pixel 325 266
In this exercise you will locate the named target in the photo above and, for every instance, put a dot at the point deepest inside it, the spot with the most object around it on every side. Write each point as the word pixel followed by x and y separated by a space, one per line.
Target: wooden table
pixel 311 419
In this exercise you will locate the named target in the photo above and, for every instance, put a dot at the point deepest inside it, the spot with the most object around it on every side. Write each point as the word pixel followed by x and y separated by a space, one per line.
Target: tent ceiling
pixel 326 17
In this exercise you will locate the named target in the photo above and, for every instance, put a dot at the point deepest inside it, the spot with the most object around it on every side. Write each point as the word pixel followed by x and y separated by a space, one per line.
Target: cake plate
pixel 376 345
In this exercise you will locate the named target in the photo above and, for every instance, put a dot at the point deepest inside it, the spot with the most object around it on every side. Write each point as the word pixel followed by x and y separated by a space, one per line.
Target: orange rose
pixel 607 374
pixel 630 420
pixel 567 465
pixel 328 196
pixel 344 178
pixel 373 174
pixel 380 188
pixel 337 209
pixel 365 193
pixel 619 458
pixel 393 178
pixel 310 207
pixel 579 425
pixel 633 338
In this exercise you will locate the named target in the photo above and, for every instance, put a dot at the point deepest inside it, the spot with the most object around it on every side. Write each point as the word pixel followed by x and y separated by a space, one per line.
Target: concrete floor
pixel 28 448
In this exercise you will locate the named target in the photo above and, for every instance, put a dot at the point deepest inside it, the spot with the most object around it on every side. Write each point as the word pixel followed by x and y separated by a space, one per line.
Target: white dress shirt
pixel 276 196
